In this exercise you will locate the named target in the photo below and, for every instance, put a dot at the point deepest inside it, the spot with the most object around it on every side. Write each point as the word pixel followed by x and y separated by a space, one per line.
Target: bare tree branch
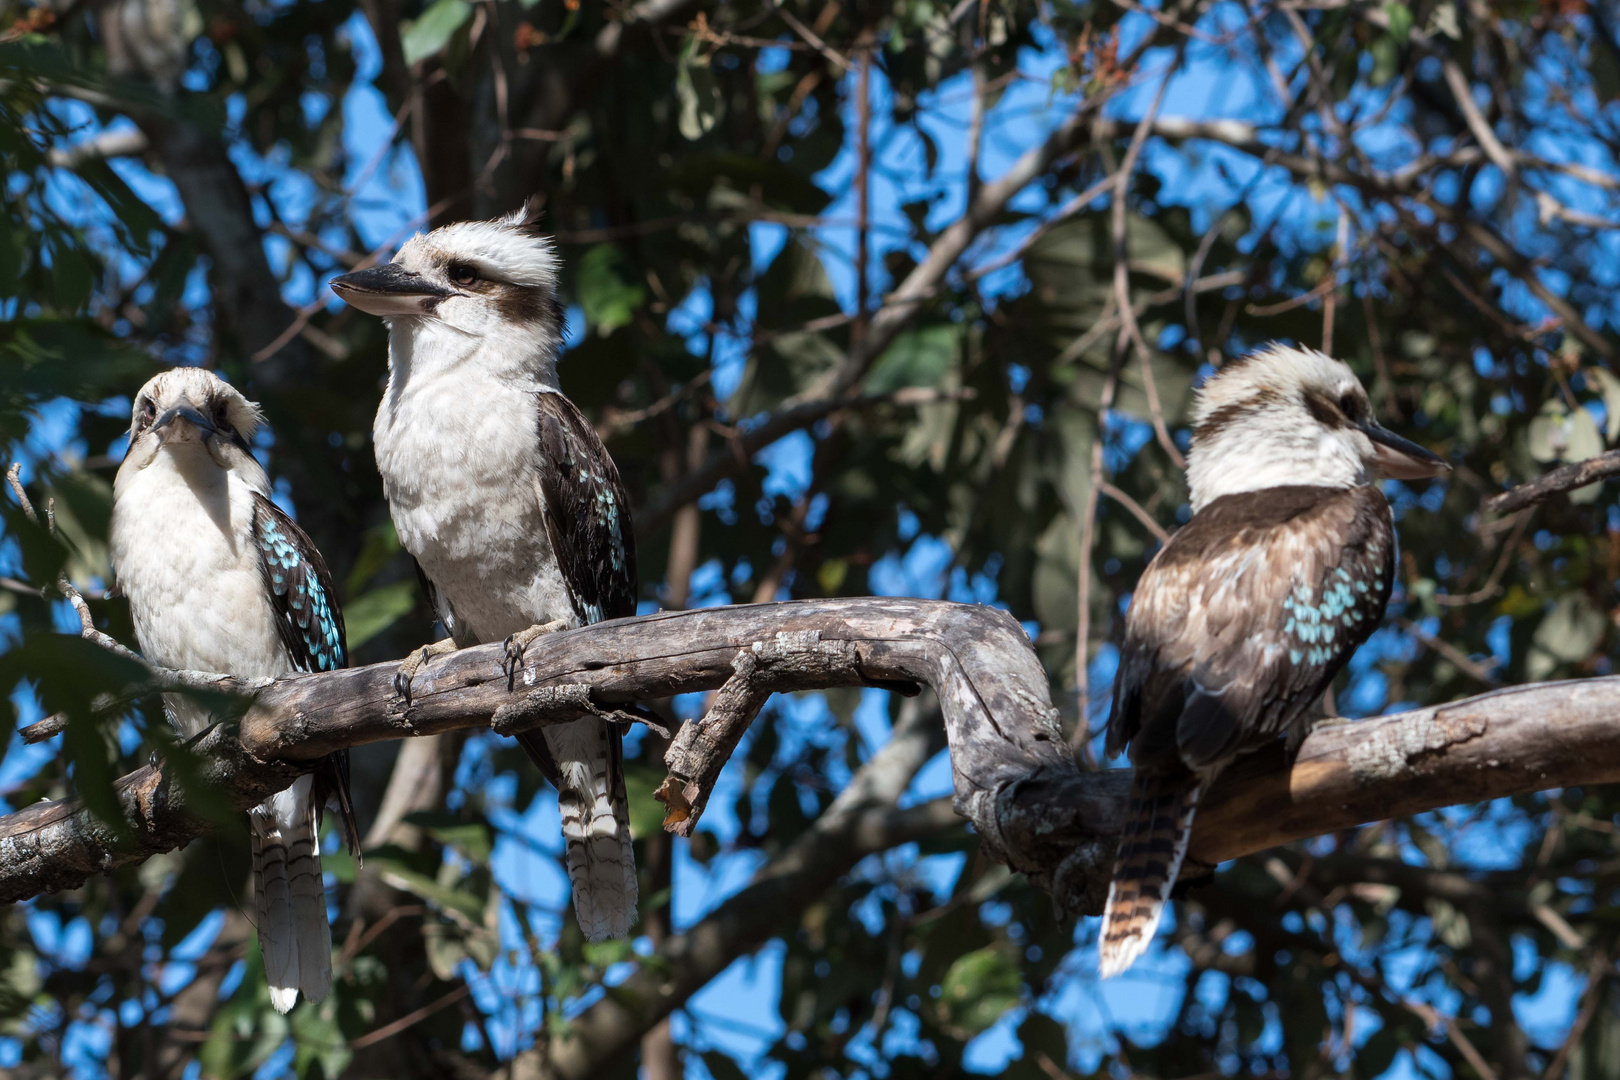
pixel 1014 778
pixel 1556 481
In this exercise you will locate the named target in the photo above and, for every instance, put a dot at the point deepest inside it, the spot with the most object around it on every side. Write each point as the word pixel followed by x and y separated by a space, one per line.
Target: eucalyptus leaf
pixel 429 34
pixel 374 612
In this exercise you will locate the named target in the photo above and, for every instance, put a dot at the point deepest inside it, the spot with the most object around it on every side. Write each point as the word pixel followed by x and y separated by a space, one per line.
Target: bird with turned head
pixel 1240 624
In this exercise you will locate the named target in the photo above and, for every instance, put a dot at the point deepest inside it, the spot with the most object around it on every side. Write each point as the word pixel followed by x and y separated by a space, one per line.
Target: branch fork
pixel 702 748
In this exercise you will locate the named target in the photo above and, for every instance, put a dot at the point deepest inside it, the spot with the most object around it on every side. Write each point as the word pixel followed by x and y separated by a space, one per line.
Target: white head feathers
pixel 507 249
pixel 482 292
pixel 1283 416
pixel 200 421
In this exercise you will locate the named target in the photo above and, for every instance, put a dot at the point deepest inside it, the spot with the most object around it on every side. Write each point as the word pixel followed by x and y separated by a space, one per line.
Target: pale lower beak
pixel 390 290
pixel 1401 459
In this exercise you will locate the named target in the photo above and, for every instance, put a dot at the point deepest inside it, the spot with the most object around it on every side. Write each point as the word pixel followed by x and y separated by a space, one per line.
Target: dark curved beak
pixel 390 290
pixel 1401 459
pixel 205 427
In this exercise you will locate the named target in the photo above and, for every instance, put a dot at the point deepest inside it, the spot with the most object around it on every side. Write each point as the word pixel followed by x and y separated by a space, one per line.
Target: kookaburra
pixel 502 491
pixel 1241 623
pixel 220 579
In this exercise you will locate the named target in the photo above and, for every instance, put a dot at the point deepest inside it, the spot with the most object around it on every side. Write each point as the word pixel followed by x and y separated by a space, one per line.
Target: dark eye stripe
pixel 1326 412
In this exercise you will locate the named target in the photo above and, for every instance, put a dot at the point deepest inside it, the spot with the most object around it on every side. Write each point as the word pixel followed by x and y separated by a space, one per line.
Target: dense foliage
pixel 738 191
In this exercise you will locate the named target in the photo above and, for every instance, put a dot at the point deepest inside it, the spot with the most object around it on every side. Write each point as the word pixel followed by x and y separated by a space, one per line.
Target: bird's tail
pixel 595 825
pixel 293 932
pixel 1158 823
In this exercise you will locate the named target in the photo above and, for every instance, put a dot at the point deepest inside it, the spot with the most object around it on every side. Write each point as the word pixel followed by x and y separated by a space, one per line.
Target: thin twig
pixel 1597 975
pixel 1461 660
pixel 812 37
pixel 1458 82
pixel 1492 584
pixel 1122 285
pixel 410 1018
pixel 1448 1027
pixel 69 592
pixel 1137 511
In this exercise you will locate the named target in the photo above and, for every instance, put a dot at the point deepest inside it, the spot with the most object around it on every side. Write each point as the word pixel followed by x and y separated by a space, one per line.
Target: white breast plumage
pixel 179 544
pixel 458 453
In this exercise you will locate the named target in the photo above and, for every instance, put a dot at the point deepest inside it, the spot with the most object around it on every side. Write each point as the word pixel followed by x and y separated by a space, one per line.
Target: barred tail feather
pixel 294 936
pixel 1158 825
pixel 595 826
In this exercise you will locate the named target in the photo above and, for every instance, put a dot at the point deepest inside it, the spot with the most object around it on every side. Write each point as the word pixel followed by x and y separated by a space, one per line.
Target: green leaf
pixel 68 673
pixel 1559 434
pixel 642 778
pixel 697 92
pixel 606 291
pixel 20 984
pixel 391 865
pixel 317 1038
pixel 246 1030
pixel 471 838
pixel 381 545
pixel 369 615
pixel 1400 19
pixel 979 988
pixel 428 34
pixel 1450 925
pixel 921 357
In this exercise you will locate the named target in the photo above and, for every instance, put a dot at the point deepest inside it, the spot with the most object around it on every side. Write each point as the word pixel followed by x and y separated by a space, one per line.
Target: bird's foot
pixel 156 759
pixel 416 662
pixel 518 644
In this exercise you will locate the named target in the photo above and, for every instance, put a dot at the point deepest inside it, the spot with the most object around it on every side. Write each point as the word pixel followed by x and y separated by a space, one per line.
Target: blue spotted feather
pixel 1285 585
pixel 309 622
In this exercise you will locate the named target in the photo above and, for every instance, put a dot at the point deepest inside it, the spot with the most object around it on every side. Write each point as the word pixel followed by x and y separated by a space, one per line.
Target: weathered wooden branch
pixel 1555 481
pixel 700 751
pixel 1014 777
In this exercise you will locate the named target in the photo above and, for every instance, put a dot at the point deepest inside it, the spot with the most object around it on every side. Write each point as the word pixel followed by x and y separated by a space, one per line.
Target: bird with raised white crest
pixel 1241 622
pixel 221 579
pixel 502 491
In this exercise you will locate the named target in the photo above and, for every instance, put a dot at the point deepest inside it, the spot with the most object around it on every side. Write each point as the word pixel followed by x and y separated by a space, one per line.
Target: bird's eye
pixel 462 274
pixel 1348 405
pixel 222 417
pixel 148 411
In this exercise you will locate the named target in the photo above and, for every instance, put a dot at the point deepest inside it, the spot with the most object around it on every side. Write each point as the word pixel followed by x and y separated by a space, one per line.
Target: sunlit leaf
pixel 979 988
pixel 371 613
pixel 429 34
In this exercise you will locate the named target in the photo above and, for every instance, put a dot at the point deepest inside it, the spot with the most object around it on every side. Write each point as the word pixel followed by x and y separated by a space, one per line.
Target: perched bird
pixel 507 499
pixel 1241 622
pixel 220 579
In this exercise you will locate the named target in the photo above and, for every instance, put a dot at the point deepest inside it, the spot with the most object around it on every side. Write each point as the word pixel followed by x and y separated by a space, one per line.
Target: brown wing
pixel 1245 618
pixel 587 517
pixel 587 513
